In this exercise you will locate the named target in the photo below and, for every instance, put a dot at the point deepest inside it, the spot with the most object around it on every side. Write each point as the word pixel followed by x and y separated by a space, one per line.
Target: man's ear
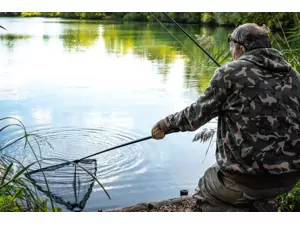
pixel 243 49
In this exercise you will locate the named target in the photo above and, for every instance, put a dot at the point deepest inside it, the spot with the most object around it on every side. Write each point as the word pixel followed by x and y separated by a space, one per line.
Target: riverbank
pixel 180 204
pixel 288 202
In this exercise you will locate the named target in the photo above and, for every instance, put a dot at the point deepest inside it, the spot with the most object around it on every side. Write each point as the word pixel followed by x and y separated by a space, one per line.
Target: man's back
pixel 259 123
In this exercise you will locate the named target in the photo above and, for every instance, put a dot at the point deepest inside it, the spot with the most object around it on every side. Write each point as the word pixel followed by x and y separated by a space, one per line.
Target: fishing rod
pixel 192 39
pixel 171 34
pixel 119 146
pixel 79 160
pixel 97 153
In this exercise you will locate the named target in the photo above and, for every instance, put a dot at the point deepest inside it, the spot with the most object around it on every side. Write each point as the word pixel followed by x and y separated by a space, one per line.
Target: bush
pixel 30 14
pixel 136 16
pixel 291 201
pixel 208 18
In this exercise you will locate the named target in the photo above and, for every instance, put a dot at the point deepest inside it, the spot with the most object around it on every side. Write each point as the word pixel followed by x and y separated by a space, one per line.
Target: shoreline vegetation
pixel 273 20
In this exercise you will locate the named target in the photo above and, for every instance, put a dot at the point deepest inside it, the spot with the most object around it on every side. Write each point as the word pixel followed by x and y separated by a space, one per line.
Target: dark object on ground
pixel 184 192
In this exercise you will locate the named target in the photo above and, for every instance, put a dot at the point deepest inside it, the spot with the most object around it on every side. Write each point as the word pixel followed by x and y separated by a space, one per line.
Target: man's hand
pixel 159 130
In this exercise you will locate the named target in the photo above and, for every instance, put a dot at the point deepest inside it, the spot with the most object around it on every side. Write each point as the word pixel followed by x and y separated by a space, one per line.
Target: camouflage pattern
pixel 256 99
pixel 219 192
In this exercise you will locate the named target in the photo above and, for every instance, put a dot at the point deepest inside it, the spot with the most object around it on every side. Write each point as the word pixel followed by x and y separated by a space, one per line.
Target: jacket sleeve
pixel 205 108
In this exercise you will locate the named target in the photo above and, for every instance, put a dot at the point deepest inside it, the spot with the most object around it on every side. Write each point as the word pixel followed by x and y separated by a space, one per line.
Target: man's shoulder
pixel 232 72
pixel 234 66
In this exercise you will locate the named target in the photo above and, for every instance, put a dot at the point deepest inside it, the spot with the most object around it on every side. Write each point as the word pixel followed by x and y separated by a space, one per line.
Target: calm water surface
pixel 87 86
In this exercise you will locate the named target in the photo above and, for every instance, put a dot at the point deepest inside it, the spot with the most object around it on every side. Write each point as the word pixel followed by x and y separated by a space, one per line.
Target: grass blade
pixel 6 173
pixel 9 125
pixel 17 175
pixel 95 178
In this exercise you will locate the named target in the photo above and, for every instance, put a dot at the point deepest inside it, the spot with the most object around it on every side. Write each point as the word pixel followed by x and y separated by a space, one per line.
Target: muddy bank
pixel 180 204
pixel 185 204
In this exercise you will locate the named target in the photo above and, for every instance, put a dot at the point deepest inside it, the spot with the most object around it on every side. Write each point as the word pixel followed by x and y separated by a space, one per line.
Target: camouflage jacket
pixel 256 99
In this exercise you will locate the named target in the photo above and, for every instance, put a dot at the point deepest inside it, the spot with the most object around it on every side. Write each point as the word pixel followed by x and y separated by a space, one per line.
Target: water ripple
pixel 73 143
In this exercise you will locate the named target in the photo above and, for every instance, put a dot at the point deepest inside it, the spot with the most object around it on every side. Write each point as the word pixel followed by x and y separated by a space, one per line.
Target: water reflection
pixel 79 38
pixel 152 42
pixel 42 116
pixel 10 40
pixel 148 41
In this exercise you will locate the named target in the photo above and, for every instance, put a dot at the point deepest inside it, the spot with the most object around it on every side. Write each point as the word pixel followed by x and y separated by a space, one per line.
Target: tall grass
pixel 17 192
pixel 287 41
pixel 289 47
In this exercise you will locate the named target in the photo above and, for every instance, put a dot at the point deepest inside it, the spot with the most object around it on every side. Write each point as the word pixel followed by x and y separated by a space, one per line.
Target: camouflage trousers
pixel 219 192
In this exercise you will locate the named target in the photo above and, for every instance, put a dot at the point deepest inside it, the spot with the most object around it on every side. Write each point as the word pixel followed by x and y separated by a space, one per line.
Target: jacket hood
pixel 268 59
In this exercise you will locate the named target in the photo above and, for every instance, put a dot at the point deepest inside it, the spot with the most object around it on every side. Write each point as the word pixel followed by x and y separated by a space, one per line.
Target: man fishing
pixel 256 98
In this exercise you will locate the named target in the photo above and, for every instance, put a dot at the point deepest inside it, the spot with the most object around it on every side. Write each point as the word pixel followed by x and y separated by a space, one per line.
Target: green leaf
pixel 17 175
pixel 6 173
pixel 18 194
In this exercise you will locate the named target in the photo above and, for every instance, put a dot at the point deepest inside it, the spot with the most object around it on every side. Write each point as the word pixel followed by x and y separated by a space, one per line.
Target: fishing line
pixel 172 35
pixel 192 39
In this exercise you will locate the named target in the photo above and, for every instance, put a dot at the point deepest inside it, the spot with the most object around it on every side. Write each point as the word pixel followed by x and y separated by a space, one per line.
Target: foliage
pixel 17 192
pixel 135 16
pixel 288 43
pixel 290 201
pixel 11 37
pixel 17 196
pixel 267 18
pixel 30 14
pixel 115 16
pixel 208 18
pixel 288 19
pixel 289 47
pixel 10 14
pixel 188 17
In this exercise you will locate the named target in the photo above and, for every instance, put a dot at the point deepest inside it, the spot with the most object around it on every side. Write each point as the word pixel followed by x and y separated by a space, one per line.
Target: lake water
pixel 87 86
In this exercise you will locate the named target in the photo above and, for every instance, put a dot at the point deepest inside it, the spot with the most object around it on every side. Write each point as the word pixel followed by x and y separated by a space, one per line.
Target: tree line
pixel 273 20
